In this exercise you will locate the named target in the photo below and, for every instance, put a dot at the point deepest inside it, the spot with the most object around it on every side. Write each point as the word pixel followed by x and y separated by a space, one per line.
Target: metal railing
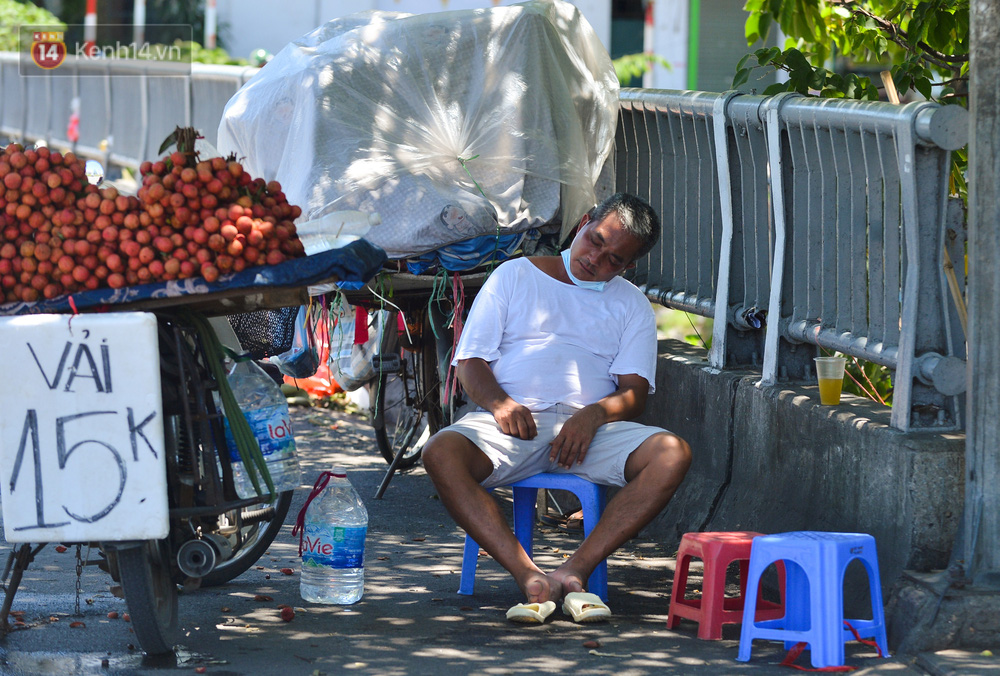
pixel 827 229
pixel 665 152
pixel 796 223
pixel 126 108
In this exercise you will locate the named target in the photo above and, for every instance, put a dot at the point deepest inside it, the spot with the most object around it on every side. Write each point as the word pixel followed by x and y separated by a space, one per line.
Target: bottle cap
pixel 338 471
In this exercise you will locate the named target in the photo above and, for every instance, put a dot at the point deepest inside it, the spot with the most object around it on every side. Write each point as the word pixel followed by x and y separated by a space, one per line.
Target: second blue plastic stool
pixel 592 500
pixel 815 563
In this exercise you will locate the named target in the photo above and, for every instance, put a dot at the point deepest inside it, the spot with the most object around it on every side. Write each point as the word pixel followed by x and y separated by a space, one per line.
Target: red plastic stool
pixel 713 609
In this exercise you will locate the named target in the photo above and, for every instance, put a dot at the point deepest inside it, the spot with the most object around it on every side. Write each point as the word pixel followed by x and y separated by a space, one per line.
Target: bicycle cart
pixel 411 394
pixel 167 511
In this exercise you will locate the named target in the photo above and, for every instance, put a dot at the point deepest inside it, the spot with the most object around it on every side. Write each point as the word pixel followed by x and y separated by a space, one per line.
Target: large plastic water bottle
pixel 266 409
pixel 333 544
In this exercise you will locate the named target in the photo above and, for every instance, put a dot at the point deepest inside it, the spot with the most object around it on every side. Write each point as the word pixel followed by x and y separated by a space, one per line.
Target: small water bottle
pixel 335 230
pixel 266 409
pixel 333 543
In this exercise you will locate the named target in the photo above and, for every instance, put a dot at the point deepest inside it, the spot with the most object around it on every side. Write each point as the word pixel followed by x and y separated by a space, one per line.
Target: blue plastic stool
pixel 592 500
pixel 814 603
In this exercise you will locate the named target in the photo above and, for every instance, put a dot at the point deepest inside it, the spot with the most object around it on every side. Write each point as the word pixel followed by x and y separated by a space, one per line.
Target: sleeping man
pixel 559 354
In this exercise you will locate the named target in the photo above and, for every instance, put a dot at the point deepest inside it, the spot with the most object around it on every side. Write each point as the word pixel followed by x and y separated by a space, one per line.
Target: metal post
pixel 982 478
pixel 139 22
pixel 90 28
pixel 210 21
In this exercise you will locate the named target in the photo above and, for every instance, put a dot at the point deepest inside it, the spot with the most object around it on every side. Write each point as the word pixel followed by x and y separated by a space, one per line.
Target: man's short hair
pixel 635 215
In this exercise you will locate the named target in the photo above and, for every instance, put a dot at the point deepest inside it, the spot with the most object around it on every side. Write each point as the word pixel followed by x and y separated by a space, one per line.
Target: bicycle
pixel 411 397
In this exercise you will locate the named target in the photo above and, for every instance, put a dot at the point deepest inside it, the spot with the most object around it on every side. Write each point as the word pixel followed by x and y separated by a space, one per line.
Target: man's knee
pixel 675 453
pixel 437 454
pixel 448 453
pixel 665 455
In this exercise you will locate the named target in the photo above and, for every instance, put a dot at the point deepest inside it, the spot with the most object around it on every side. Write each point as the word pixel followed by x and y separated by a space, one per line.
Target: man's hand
pixel 481 386
pixel 571 444
pixel 515 419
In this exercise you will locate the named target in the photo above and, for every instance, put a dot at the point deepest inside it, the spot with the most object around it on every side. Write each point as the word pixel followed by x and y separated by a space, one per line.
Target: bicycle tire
pixel 405 404
pixel 150 594
pixel 256 541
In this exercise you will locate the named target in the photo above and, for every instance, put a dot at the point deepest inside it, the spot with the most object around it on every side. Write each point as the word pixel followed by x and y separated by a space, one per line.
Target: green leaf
pixel 777 88
pixel 636 65
pixel 818 78
pixel 894 12
pixel 765 56
pixel 167 142
pixel 923 85
pixel 741 77
pixel 916 28
pixel 751 29
pixel 796 61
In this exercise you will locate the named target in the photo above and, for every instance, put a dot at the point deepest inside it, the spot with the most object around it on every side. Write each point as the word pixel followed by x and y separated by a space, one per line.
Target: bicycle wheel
pixel 259 525
pixel 405 408
pixel 150 593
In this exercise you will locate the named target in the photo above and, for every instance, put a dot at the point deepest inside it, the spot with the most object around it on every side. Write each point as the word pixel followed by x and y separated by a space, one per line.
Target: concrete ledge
pixel 695 402
pixel 773 460
pixel 934 611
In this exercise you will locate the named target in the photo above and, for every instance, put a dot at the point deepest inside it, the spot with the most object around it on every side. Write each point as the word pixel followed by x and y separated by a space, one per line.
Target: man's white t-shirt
pixel 554 343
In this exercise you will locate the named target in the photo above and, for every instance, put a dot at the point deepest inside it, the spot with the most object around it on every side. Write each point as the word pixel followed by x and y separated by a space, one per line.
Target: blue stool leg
pixel 870 561
pixel 757 567
pixel 827 647
pixel 470 558
pixel 875 627
pixel 524 516
pixel 799 600
pixel 591 503
pixel 878 612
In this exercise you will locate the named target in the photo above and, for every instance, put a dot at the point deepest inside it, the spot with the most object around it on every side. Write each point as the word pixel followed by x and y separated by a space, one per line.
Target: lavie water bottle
pixel 332 544
pixel 265 408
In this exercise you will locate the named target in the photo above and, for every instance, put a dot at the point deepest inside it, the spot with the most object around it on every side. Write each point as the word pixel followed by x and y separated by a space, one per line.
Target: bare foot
pixel 571 580
pixel 539 587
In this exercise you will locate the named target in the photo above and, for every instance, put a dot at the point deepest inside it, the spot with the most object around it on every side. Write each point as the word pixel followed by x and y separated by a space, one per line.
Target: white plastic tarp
pixel 448 125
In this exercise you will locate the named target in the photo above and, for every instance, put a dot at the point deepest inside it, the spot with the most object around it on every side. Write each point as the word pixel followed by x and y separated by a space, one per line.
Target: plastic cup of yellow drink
pixel 830 373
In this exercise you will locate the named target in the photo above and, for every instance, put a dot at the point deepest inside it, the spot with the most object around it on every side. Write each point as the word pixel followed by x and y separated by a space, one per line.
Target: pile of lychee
pixel 190 218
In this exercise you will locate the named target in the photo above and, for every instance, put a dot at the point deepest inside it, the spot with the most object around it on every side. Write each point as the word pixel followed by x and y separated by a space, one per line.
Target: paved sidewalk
pixel 410 620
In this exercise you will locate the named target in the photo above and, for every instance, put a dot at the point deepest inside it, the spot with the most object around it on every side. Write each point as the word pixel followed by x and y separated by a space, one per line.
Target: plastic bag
pixel 302 359
pixel 354 349
pixel 508 131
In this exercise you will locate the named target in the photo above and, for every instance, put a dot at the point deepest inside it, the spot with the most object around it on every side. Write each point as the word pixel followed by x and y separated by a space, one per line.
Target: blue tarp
pixel 352 265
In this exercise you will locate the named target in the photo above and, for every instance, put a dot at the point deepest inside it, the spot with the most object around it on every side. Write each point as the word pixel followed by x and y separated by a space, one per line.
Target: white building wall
pixel 247 25
pixel 668 37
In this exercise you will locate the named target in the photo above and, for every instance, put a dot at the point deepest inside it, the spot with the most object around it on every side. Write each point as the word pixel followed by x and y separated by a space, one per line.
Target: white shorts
pixel 515 459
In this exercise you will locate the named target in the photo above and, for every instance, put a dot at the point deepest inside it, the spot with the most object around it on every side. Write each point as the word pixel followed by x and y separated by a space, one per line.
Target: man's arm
pixel 482 387
pixel 627 402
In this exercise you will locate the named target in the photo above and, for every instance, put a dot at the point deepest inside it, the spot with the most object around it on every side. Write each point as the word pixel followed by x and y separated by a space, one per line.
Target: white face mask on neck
pixel 592 286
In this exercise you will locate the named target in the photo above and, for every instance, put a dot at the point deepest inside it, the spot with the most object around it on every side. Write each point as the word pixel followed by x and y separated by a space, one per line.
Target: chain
pixel 79 574
pixel 80 565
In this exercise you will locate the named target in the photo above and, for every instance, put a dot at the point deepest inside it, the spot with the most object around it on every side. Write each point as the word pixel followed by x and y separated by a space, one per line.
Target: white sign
pixel 81 429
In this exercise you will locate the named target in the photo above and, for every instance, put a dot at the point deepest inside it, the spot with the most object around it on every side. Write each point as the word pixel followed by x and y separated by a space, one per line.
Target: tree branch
pixel 900 37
